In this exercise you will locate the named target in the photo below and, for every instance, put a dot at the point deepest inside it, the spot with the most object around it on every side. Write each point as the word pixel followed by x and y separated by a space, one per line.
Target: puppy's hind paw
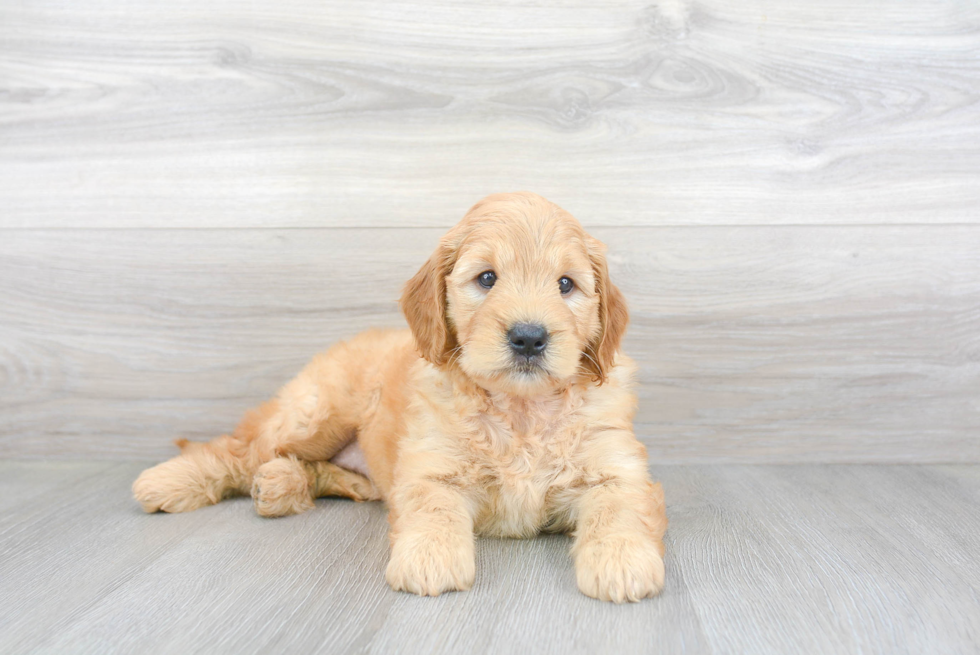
pixel 281 487
pixel 174 486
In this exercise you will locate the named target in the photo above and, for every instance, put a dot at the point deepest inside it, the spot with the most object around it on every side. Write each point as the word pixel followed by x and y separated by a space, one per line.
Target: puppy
pixel 506 410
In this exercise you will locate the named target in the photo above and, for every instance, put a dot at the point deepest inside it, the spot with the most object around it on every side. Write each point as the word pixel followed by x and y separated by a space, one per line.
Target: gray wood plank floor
pixel 761 559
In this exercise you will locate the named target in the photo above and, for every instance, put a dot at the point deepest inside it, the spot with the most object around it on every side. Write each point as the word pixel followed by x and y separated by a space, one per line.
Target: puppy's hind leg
pixel 312 418
pixel 203 474
pixel 310 425
pixel 206 473
pixel 332 480
pixel 288 485
pixel 282 486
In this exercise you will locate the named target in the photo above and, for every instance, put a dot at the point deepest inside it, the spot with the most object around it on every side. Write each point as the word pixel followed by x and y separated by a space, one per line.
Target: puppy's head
pixel 517 296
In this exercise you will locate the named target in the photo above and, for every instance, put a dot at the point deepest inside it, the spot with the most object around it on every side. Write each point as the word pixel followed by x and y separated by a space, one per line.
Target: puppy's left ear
pixel 423 302
pixel 613 315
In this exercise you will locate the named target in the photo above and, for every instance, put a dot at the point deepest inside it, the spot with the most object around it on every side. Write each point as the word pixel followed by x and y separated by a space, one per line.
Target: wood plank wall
pixel 196 197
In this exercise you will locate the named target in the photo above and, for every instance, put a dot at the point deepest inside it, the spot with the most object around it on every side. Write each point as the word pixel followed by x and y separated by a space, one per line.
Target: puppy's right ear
pixel 613 315
pixel 424 304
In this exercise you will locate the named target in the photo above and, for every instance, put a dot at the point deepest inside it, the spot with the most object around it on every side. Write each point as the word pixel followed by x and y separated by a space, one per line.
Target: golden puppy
pixel 516 418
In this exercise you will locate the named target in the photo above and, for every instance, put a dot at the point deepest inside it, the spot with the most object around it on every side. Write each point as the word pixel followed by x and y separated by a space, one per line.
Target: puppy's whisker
pixel 454 355
pixel 590 357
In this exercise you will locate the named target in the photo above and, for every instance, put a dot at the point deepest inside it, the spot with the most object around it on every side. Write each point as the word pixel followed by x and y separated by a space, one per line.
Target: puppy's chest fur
pixel 526 470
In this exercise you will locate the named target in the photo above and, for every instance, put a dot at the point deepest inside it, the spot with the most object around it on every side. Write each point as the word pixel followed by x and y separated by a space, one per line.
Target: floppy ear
pixel 613 316
pixel 423 302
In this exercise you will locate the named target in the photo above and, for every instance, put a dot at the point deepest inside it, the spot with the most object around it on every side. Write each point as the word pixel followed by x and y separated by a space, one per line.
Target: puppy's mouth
pixel 528 366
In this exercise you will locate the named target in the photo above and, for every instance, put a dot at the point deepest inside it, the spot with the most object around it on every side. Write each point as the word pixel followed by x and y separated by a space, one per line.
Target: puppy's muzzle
pixel 528 340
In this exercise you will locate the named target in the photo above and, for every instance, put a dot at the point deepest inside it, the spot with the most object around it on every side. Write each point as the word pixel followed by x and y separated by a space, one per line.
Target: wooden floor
pixel 761 559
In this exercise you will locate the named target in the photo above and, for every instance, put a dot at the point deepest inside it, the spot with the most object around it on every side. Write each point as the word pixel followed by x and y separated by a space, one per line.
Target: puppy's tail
pixel 186 445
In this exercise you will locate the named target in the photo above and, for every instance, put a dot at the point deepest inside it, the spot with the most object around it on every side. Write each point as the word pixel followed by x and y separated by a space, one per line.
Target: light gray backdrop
pixel 195 197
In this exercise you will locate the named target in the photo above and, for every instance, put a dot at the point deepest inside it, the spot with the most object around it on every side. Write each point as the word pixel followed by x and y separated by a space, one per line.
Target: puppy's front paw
pixel 281 487
pixel 431 563
pixel 620 569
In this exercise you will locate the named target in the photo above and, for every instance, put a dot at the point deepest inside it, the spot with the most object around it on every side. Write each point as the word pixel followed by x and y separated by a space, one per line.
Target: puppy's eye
pixel 487 279
pixel 565 285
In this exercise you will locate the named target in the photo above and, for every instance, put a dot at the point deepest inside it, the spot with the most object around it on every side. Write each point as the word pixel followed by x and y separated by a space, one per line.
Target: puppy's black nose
pixel 528 339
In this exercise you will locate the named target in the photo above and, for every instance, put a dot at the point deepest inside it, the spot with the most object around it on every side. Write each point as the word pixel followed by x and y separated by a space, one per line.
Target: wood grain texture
pixel 755 344
pixel 761 559
pixel 195 198
pixel 302 113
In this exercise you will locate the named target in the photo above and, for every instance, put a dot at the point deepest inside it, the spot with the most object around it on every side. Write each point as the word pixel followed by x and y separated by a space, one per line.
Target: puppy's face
pixel 522 300
pixel 517 296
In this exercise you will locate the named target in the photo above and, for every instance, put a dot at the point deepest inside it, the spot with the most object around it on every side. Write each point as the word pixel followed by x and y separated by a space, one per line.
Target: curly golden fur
pixel 461 431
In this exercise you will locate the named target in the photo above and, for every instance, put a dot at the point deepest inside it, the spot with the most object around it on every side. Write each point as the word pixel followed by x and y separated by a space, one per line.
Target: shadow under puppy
pixel 516 418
